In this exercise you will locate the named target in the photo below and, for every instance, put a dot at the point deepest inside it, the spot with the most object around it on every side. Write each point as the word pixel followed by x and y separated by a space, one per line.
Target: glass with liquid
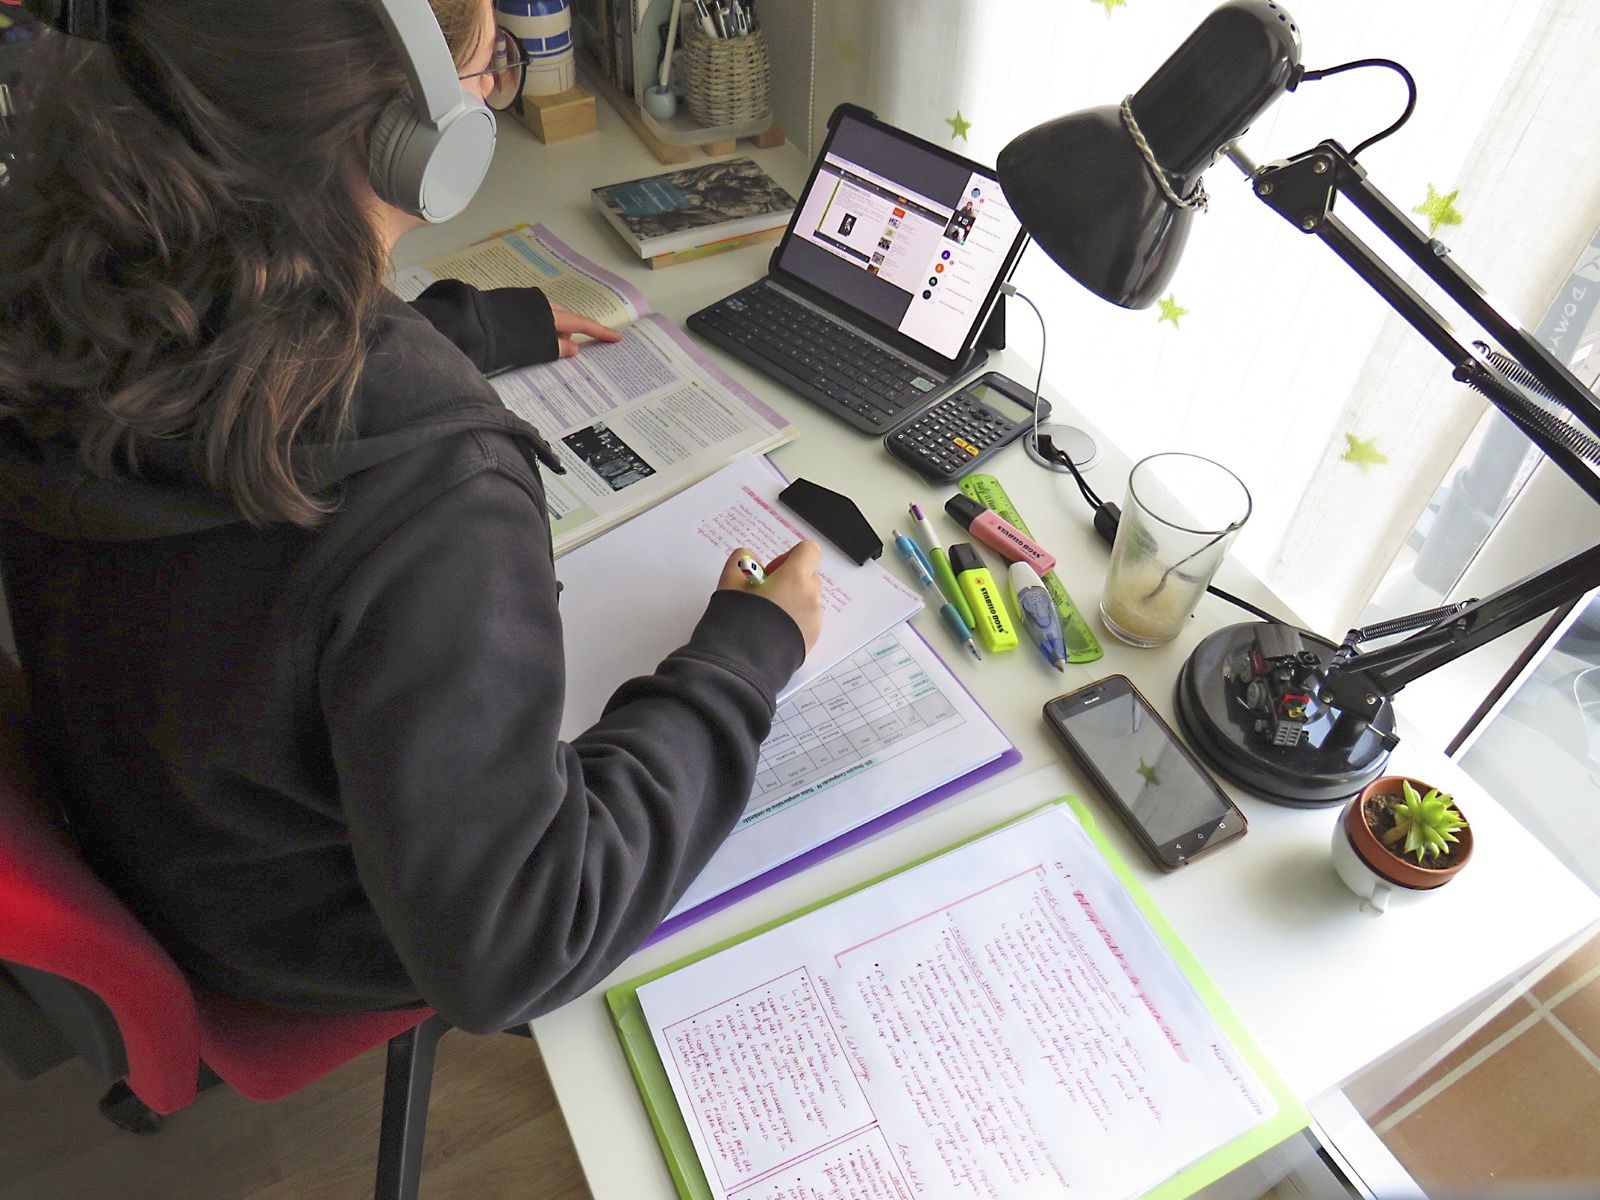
pixel 1181 514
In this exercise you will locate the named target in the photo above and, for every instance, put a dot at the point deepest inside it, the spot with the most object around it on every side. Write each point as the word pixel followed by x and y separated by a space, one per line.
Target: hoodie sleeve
pixel 499 330
pixel 512 870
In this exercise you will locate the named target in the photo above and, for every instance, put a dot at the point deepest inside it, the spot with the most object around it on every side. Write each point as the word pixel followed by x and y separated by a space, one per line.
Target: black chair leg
pixel 126 1111
pixel 405 1109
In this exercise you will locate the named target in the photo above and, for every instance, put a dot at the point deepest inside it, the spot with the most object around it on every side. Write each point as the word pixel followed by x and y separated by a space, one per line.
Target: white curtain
pixel 1282 364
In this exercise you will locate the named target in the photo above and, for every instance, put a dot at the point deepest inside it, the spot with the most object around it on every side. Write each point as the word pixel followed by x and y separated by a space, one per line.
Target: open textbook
pixel 634 421
pixel 1010 1019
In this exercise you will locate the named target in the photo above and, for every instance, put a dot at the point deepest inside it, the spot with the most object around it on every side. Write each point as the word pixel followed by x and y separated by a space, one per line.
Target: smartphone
pixel 1171 806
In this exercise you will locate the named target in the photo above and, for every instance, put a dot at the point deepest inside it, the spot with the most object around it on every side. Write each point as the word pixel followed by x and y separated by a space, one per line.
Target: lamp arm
pixel 1474 623
pixel 1302 190
pixel 1527 383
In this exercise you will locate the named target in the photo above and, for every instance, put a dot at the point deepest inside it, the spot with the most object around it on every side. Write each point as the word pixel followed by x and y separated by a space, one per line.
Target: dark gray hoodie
pixel 324 767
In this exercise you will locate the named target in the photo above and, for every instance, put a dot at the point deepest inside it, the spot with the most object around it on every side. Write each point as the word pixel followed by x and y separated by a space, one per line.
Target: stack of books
pixel 695 211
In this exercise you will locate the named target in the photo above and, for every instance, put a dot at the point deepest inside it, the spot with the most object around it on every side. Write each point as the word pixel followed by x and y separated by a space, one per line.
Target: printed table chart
pixel 861 708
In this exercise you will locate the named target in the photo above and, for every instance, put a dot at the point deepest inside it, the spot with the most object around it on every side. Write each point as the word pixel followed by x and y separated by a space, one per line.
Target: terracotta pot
pixel 1406 872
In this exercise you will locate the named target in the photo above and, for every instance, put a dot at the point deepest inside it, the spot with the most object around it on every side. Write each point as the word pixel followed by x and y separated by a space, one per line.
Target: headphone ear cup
pixel 389 134
pixel 431 172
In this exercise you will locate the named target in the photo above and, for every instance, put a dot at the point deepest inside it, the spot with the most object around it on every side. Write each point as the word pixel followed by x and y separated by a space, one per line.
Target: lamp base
pixel 1326 767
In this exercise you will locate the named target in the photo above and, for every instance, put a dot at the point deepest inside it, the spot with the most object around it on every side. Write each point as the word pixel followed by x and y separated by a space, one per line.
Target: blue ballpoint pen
pixel 1037 614
pixel 918 562
pixel 915 559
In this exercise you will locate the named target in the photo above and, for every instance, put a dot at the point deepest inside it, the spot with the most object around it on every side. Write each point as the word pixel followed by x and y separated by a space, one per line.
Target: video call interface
pixel 912 239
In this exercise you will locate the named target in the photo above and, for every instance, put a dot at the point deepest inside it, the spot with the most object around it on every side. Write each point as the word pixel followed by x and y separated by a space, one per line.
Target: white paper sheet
pixel 633 595
pixel 888 724
pixel 999 1022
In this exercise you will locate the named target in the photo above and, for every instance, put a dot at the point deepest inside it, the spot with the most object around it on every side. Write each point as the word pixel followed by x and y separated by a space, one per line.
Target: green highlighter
pixel 1082 645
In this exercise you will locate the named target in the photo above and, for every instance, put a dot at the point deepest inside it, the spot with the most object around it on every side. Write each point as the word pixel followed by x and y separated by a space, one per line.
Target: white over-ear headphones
pixel 431 146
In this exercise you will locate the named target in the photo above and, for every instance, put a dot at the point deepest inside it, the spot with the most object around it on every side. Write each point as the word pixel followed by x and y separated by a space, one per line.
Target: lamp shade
pixel 1084 191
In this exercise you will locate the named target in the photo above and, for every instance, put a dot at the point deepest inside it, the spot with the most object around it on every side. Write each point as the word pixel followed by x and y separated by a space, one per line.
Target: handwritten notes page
pixel 886 725
pixel 634 595
pixel 997 1022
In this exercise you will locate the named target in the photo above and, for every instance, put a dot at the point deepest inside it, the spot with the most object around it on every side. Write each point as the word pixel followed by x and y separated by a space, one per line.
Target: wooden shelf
pixel 707 141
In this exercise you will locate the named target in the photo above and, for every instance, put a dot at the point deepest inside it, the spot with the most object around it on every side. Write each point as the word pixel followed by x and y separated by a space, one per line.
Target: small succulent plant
pixel 1426 824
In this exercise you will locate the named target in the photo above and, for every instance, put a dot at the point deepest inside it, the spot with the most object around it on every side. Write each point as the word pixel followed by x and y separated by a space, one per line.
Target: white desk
pixel 1283 939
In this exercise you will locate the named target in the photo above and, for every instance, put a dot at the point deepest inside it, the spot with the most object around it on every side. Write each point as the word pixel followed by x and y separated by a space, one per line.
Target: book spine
pixel 733 243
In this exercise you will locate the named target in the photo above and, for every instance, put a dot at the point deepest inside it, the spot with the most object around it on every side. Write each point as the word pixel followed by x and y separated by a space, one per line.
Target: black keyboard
pixel 855 379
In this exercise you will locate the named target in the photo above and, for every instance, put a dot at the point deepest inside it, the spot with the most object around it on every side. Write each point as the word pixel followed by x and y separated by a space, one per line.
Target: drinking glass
pixel 1181 515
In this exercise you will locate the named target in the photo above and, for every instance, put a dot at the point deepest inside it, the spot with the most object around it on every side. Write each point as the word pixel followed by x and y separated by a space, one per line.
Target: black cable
pixel 1260 613
pixel 1411 90
pixel 1047 447
pixel 1106 515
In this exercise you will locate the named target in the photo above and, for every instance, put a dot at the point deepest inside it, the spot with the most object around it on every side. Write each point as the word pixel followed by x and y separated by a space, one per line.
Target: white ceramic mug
pixel 1375 891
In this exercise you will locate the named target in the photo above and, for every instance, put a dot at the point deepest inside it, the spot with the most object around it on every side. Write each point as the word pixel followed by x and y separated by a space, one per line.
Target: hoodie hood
pixel 429 391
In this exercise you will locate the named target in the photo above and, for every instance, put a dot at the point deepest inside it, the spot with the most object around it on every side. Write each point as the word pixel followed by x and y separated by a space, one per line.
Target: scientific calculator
pixel 949 438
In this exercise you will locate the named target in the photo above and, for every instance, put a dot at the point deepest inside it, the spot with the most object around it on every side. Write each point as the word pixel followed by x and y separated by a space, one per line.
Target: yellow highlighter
pixel 993 626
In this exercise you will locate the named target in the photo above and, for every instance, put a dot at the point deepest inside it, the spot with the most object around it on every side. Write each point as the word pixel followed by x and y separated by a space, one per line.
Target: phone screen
pixel 1151 777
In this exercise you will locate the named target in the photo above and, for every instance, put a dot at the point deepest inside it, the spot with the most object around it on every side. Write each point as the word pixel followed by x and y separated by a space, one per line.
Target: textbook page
pixel 888 724
pixel 632 421
pixel 998 1022
pixel 633 596
pixel 532 256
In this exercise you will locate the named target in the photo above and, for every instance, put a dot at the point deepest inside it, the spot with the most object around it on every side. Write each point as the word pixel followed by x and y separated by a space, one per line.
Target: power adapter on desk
pixel 1106 518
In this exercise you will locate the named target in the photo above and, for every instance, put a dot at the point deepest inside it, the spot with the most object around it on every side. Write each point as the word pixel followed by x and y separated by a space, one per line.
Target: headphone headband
pixel 432 145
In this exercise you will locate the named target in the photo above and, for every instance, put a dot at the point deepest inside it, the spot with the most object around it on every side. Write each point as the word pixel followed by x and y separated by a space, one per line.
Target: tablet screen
pixel 914 237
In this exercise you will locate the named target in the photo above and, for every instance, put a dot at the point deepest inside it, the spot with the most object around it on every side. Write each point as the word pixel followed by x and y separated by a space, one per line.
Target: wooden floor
pixel 494 1132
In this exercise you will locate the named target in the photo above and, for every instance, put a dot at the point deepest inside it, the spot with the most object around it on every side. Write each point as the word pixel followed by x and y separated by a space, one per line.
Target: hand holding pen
pixel 790 581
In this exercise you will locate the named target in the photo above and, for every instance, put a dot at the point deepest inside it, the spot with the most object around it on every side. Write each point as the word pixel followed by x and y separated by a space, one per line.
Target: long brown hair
pixel 210 280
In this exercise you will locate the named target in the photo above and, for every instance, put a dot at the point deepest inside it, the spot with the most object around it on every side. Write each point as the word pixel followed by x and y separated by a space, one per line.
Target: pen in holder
pixel 725 80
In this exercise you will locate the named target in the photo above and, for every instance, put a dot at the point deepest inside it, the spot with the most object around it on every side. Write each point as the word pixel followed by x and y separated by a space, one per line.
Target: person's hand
pixel 792 584
pixel 569 323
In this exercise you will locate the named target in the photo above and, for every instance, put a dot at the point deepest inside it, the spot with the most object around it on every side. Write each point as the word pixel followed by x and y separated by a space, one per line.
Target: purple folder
pixel 843 841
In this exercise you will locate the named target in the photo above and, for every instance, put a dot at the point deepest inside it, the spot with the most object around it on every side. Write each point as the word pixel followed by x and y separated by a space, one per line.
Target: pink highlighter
pixel 994 531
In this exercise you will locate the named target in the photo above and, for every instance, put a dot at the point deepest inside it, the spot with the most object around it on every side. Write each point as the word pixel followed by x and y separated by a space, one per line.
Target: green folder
pixel 673 1134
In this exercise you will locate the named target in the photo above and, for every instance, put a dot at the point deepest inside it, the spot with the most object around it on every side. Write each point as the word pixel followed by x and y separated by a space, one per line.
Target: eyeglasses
pixel 507 67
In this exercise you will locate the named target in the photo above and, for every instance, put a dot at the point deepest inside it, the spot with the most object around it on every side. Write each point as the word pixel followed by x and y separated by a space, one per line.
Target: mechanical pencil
pixel 912 553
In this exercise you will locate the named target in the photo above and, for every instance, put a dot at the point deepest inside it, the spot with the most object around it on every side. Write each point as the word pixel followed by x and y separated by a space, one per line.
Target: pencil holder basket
pixel 725 80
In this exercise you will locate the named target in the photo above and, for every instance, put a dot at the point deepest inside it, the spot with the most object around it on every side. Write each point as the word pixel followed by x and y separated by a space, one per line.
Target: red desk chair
pixel 118 999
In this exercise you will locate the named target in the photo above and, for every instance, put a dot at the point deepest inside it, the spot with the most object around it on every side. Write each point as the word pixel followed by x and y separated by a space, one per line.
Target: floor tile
pixel 1582 960
pixel 1522 1118
pixel 1580 1013
pixel 1503 1022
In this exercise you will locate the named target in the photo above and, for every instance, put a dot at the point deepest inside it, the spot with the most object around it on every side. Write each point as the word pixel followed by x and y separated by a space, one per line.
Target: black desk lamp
pixel 1109 193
